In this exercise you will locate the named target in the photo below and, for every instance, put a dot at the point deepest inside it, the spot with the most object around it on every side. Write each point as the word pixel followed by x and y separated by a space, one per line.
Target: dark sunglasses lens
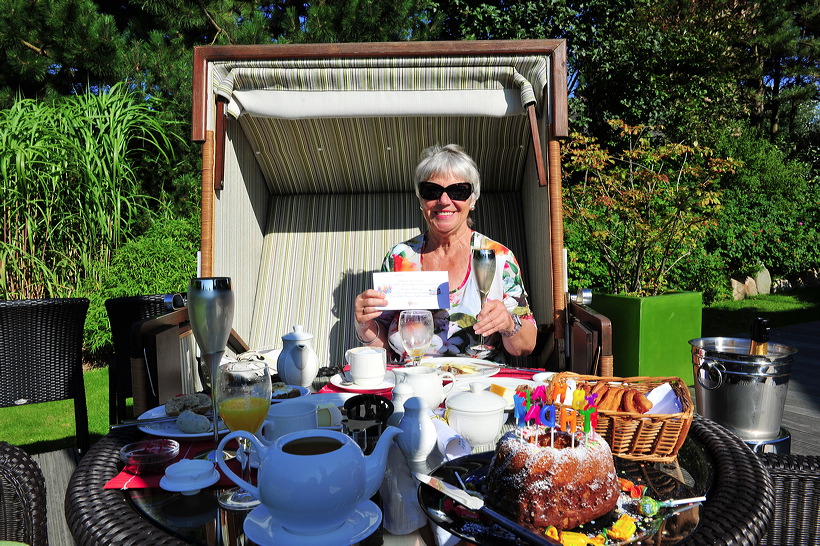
pixel 457 192
pixel 430 191
pixel 460 192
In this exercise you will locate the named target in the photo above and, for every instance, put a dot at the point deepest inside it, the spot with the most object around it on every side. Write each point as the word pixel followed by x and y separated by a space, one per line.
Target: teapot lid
pixel 298 334
pixel 476 400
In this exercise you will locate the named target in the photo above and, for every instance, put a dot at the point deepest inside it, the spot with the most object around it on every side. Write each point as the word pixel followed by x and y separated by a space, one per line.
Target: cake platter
pixel 666 527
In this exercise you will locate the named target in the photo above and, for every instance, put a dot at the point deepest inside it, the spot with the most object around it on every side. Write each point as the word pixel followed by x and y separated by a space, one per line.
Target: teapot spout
pixel 376 461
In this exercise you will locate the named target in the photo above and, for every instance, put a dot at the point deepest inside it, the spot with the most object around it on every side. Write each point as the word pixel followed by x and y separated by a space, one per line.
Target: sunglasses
pixel 430 191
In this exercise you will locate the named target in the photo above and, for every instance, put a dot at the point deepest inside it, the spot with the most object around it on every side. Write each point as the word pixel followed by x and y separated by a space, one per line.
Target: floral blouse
pixel 453 327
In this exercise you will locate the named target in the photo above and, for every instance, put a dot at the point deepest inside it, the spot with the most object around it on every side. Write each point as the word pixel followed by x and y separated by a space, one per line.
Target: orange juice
pixel 244 413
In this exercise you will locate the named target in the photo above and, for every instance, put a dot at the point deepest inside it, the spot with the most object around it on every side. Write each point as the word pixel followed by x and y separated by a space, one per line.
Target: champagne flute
pixel 483 273
pixel 416 332
pixel 210 311
pixel 243 389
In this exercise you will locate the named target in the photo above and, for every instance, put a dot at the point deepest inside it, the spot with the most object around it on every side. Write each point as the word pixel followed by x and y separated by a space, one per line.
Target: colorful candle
pixel 567 420
pixel 520 410
pixel 587 413
pixel 533 413
pixel 548 416
pixel 578 400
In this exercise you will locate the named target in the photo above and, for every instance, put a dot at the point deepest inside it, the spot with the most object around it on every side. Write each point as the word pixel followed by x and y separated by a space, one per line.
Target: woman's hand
pixel 493 318
pixel 365 312
pixel 366 304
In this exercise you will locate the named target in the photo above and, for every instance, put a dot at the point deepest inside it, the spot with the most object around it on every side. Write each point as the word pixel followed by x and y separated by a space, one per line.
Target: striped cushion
pixel 528 75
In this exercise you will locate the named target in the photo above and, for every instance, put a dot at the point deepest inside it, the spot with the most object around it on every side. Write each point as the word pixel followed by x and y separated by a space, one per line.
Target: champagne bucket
pixel 745 393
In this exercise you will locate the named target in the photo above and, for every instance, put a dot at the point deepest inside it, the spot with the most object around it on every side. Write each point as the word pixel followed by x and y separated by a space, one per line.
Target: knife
pixel 474 503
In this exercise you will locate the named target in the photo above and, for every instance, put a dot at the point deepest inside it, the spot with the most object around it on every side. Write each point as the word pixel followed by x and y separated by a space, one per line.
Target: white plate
pixel 506 382
pixel 262 529
pixel 191 487
pixel 388 383
pixel 302 392
pixel 169 429
pixel 543 377
pixel 269 355
pixel 484 368
pixel 336 398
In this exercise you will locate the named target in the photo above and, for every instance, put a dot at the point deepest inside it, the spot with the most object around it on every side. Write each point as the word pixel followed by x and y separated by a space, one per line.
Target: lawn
pixel 45 427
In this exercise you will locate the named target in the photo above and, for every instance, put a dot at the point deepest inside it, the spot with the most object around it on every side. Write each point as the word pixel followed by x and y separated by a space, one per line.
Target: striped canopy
pixel 372 87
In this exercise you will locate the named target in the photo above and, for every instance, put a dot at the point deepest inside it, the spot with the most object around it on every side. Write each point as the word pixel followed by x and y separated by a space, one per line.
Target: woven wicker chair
pixel 22 497
pixel 796 481
pixel 122 314
pixel 41 345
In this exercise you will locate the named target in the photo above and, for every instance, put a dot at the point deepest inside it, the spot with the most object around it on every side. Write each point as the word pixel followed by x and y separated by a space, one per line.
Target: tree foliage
pixel 641 205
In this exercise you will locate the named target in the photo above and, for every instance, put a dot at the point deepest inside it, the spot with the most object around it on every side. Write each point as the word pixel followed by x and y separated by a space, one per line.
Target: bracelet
pixel 372 341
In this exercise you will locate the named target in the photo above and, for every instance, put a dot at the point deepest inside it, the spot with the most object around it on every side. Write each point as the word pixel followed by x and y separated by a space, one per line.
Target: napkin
pixel 664 400
pixel 451 445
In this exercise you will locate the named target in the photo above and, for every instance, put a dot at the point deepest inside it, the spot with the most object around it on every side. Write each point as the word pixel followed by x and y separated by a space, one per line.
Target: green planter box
pixel 650 336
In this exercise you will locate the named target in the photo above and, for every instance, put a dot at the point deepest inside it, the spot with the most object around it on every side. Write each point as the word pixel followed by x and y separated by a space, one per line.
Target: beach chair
pixel 308 153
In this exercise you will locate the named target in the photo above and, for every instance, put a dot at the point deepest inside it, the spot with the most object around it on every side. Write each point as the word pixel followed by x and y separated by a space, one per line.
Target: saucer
pixel 385 385
pixel 262 529
pixel 189 488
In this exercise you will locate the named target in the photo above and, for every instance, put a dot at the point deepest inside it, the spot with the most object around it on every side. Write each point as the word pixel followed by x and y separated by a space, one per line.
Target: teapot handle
pixel 451 377
pixel 227 471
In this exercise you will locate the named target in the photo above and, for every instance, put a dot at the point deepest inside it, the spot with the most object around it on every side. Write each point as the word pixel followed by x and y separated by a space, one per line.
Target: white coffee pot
pixel 311 481
pixel 298 363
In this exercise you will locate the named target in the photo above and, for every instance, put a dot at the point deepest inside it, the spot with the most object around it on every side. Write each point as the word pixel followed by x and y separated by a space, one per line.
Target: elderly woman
pixel 448 185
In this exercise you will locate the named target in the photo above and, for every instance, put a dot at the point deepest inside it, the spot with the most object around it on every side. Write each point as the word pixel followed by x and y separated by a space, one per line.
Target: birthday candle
pixel 568 421
pixel 559 391
pixel 534 412
pixel 591 398
pixel 539 394
pixel 578 400
pixel 520 410
pixel 587 413
pixel 548 416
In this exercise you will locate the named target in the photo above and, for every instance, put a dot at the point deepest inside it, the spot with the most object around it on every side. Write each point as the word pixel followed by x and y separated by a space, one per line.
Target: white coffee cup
pixel 367 365
pixel 289 416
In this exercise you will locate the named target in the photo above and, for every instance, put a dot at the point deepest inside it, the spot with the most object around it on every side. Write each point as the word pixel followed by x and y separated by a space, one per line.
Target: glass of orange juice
pixel 243 394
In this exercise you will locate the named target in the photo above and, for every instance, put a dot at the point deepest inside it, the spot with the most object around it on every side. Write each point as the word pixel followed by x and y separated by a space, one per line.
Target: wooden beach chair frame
pixel 307 160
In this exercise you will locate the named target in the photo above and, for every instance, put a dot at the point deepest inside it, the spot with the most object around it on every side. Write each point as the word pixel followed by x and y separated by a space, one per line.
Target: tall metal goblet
pixel 483 273
pixel 210 310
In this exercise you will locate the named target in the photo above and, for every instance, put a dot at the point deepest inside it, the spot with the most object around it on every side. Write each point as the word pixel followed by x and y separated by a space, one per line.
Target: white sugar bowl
pixel 476 414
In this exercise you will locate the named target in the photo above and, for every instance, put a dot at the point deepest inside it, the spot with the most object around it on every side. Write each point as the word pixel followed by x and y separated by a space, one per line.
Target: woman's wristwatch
pixel 516 326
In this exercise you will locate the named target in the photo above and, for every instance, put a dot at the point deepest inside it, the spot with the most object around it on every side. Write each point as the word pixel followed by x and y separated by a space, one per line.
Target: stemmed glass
pixel 210 311
pixel 416 332
pixel 243 389
pixel 483 273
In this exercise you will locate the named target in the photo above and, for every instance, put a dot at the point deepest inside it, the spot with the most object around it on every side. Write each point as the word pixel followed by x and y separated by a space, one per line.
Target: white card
pixel 414 289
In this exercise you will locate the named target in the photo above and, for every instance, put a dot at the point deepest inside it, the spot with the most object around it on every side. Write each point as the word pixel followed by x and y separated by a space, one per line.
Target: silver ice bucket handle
pixel 714 370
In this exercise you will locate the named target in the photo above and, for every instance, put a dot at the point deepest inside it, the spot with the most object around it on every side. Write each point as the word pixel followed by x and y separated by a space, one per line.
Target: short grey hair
pixel 449 159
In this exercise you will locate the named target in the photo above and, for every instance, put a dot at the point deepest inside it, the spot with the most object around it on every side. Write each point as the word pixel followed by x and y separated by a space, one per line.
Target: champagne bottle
pixel 759 333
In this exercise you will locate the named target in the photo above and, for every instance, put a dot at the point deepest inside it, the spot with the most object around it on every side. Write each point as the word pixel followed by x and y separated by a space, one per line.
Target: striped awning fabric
pixel 316 88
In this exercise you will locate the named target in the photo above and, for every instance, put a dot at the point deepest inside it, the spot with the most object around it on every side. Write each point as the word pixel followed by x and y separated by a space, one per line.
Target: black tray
pixel 662 481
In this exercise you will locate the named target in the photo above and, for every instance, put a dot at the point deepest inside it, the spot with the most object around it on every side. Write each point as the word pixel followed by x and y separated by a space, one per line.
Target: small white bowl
pixel 477 414
pixel 189 476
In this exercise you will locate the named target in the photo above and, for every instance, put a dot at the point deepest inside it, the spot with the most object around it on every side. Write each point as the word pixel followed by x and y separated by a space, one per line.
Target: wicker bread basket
pixel 641 436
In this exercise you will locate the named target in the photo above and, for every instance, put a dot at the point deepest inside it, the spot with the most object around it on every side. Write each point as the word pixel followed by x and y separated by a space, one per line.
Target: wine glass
pixel 416 331
pixel 210 311
pixel 483 273
pixel 243 389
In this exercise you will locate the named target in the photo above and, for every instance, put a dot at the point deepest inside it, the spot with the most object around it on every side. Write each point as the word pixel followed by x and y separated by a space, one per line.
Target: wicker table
pixel 739 507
